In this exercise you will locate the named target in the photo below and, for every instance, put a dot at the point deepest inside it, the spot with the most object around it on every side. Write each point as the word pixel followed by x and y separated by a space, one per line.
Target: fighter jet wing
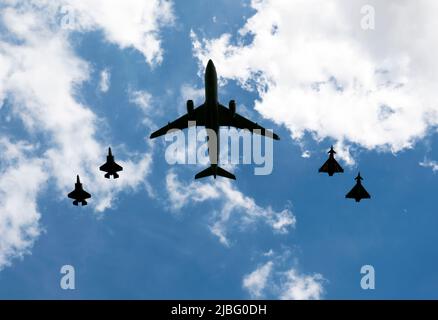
pixel 363 193
pixel 85 194
pixel 227 118
pixel 359 192
pixel 331 165
pixel 117 167
pixel 79 194
pixel 73 194
pixel 325 167
pixel 338 168
pixel 182 122
pixel 105 167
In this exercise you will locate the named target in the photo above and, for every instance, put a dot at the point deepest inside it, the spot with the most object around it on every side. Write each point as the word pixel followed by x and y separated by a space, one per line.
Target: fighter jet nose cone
pixel 210 63
pixel 77 179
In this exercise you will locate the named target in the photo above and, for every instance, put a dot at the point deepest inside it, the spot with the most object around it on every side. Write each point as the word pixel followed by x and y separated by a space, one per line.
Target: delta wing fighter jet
pixel 331 166
pixel 358 192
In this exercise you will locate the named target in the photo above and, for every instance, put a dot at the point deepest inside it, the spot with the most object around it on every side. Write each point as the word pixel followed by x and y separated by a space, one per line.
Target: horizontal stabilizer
pixel 215 171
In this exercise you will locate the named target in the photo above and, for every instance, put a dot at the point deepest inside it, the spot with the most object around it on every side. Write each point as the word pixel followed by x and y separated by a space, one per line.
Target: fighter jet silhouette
pixel 331 166
pixel 110 167
pixel 358 192
pixel 79 194
pixel 212 115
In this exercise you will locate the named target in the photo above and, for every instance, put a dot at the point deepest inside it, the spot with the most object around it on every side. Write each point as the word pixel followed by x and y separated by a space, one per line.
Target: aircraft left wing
pixel 182 122
pixel 227 118
pixel 85 194
pixel 118 167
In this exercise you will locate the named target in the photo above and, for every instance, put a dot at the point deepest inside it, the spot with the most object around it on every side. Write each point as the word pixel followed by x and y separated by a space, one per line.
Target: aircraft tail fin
pixel 215 171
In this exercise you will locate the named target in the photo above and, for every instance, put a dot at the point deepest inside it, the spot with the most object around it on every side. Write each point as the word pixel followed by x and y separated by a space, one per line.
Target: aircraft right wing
pixel 182 122
pixel 227 118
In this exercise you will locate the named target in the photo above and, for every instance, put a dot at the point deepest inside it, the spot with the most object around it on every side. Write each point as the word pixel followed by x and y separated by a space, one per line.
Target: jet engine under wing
pixel 227 118
pixel 183 122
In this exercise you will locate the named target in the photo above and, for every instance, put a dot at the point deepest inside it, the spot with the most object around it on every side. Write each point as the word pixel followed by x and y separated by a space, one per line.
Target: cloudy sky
pixel 78 76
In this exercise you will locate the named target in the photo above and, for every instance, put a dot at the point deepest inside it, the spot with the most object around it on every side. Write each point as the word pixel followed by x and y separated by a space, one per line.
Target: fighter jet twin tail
pixel 331 166
pixel 213 115
pixel 79 195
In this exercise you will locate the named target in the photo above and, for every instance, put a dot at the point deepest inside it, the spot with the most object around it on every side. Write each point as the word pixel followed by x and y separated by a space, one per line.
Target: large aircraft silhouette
pixel 213 115
pixel 358 192
pixel 110 167
pixel 79 194
pixel 331 166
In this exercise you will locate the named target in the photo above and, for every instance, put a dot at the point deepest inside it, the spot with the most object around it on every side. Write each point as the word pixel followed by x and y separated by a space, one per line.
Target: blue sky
pixel 138 239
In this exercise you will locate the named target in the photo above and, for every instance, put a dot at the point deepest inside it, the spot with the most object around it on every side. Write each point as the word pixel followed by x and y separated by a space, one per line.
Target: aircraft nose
pixel 210 64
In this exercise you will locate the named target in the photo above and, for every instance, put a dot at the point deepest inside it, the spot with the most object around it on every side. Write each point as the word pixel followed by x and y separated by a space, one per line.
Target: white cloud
pixel 189 92
pixel 305 154
pixel 316 70
pixel 105 79
pixel 180 194
pixel 276 280
pixel 255 282
pixel 233 202
pixel 301 287
pixel 22 179
pixel 269 253
pixel 47 105
pixel 128 24
pixel 142 99
pixel 40 78
pixel 429 164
